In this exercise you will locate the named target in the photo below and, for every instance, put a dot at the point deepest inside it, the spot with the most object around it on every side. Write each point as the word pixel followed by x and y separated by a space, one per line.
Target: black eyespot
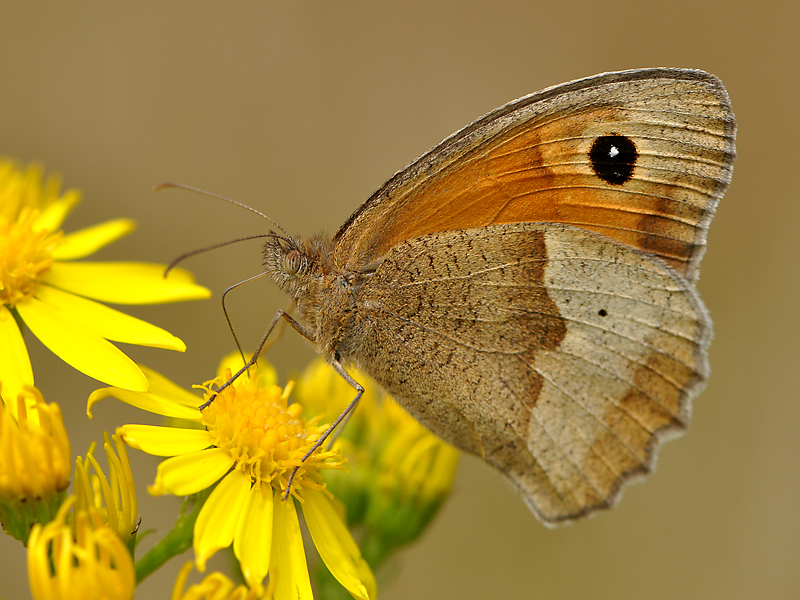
pixel 292 262
pixel 613 158
pixel 602 312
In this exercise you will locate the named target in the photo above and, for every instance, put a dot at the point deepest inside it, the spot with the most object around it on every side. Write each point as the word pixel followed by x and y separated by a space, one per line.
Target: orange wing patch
pixel 533 161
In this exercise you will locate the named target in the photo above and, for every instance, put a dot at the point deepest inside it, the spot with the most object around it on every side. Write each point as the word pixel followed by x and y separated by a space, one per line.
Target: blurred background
pixel 302 109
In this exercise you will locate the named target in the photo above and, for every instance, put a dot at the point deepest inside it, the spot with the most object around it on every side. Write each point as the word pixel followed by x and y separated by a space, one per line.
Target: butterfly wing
pixel 558 355
pixel 640 156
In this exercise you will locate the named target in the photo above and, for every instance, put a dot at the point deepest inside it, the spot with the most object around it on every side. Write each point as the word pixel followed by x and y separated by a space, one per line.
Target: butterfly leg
pixel 348 411
pixel 337 366
pixel 280 314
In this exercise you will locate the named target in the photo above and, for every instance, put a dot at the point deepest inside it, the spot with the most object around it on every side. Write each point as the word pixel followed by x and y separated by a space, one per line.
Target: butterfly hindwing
pixel 559 356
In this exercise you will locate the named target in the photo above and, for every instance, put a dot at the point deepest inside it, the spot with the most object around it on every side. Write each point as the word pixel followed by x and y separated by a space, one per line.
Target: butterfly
pixel 527 288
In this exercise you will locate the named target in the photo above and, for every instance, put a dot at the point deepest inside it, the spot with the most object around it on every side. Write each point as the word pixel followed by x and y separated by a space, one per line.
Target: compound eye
pixel 292 262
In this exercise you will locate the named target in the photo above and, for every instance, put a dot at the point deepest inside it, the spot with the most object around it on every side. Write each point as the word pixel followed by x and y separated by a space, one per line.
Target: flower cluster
pixel 251 442
pixel 249 463
pixel 399 473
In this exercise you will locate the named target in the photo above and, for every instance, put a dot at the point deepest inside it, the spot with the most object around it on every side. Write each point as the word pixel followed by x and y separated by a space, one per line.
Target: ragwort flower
pixel 34 463
pixel 216 586
pixel 400 473
pixel 84 559
pixel 114 498
pixel 43 287
pixel 251 442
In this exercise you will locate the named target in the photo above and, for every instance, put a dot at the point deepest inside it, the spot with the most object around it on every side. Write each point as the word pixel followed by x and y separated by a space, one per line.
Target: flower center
pixel 266 436
pixel 25 256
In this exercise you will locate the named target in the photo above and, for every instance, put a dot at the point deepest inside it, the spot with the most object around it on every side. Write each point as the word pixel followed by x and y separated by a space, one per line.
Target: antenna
pixel 189 188
pixel 183 257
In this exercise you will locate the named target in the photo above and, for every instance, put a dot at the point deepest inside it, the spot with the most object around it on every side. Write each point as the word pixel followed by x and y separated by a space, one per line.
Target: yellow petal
pixel 336 546
pixel 218 519
pixel 253 541
pixel 146 401
pixel 54 214
pixel 81 348
pixel 107 322
pixel 89 240
pixel 288 556
pixel 15 365
pixel 163 387
pixel 189 473
pixel 164 441
pixel 125 282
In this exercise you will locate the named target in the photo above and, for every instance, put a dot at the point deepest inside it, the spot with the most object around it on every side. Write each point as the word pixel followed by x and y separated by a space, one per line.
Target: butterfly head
pixel 295 264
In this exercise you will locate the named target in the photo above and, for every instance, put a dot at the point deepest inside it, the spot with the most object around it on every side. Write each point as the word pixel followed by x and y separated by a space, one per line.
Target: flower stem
pixel 178 540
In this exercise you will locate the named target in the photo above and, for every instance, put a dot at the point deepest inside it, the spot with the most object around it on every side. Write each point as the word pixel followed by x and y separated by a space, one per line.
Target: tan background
pixel 302 109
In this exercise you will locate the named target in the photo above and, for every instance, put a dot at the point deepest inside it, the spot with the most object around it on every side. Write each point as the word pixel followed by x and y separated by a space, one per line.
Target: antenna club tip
pixel 161 186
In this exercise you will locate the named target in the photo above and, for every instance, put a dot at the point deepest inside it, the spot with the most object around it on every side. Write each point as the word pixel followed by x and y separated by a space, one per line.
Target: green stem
pixel 176 541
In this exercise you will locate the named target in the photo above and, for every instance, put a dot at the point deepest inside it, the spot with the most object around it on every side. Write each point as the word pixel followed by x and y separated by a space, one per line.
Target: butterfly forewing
pixel 642 157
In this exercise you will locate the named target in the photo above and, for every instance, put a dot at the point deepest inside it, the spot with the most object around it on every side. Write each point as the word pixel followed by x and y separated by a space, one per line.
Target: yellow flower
pixel 42 287
pixel 34 463
pixel 216 586
pixel 251 442
pixel 115 500
pixel 400 473
pixel 82 561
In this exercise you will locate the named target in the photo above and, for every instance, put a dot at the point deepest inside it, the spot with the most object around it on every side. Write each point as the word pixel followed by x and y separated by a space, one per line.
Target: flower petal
pixel 336 546
pixel 165 441
pixel 189 473
pixel 288 556
pixel 218 519
pixel 161 386
pixel 107 322
pixel 80 347
pixel 54 214
pixel 125 282
pixel 15 365
pixel 148 401
pixel 89 240
pixel 253 540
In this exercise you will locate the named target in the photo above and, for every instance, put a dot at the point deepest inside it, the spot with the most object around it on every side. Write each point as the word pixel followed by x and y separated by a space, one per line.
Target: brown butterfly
pixel 526 289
